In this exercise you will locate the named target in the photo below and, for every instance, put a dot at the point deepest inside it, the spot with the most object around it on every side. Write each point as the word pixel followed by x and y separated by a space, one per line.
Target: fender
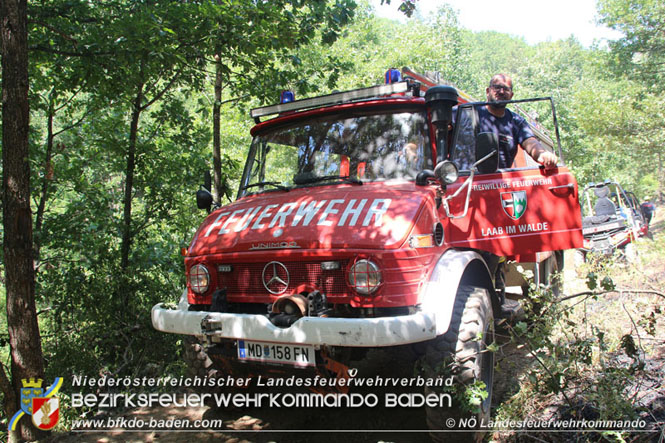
pixel 455 267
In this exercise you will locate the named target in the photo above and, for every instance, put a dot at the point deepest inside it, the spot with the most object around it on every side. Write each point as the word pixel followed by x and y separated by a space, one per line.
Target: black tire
pixel 550 273
pixel 196 358
pixel 469 361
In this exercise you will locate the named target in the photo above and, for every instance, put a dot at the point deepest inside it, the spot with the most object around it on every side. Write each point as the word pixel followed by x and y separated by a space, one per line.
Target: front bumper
pixel 354 332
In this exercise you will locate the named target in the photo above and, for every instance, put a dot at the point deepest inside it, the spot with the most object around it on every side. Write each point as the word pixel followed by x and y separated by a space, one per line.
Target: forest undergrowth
pixel 596 354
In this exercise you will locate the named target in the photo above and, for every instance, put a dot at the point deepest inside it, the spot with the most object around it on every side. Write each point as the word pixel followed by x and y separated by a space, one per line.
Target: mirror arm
pixel 467 184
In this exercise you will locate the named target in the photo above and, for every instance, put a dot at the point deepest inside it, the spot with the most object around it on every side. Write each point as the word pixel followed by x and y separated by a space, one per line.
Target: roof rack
pixel 338 97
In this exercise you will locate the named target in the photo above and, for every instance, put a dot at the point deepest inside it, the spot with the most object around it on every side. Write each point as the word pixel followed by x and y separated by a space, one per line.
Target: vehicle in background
pixel 611 220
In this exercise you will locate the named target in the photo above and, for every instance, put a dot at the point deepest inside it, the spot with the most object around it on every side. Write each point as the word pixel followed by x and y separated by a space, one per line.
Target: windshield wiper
pixel 278 185
pixel 307 178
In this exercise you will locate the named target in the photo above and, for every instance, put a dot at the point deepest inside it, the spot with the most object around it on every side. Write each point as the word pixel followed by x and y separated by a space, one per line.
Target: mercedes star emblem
pixel 275 277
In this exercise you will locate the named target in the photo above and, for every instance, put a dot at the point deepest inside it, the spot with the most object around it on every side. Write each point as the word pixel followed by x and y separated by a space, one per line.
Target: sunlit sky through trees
pixel 535 21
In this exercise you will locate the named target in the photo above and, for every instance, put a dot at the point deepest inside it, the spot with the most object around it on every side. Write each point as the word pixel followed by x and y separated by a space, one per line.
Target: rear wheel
pixel 462 352
pixel 550 273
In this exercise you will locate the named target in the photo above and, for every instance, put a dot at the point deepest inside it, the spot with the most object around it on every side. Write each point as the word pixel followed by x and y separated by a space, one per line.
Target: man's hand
pixel 547 159
pixel 540 154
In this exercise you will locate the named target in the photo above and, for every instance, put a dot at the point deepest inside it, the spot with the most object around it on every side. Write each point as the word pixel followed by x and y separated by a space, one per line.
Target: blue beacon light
pixel 287 97
pixel 393 76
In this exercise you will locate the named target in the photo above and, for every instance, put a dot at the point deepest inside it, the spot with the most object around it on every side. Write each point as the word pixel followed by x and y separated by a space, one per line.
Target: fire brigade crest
pixel 514 203
pixel 42 406
pixel 46 412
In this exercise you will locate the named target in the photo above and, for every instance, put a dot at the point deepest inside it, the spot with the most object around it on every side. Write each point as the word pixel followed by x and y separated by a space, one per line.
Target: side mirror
pixel 487 143
pixel 424 177
pixel 203 199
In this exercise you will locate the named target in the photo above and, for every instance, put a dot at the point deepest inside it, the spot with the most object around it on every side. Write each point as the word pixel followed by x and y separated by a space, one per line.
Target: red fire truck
pixel 366 220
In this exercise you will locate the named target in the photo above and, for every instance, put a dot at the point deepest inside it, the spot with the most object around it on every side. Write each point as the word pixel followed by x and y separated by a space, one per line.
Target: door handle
pixel 562 190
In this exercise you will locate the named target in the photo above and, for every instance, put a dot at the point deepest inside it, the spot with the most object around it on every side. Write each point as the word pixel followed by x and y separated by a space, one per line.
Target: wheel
pixel 462 350
pixel 196 358
pixel 550 273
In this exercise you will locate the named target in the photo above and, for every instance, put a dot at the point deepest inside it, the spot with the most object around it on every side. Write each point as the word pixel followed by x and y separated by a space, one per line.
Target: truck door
pixel 514 211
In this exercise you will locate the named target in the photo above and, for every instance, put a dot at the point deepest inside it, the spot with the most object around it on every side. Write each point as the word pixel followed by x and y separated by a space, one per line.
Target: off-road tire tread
pixel 472 315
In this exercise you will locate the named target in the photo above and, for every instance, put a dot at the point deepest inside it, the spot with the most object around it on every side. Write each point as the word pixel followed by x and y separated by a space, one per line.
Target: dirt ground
pixel 408 424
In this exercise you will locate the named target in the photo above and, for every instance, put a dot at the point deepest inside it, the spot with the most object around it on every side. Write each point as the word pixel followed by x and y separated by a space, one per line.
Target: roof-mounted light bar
pixel 339 97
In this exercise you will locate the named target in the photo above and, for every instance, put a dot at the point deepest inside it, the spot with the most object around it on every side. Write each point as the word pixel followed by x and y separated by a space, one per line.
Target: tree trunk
pixel 218 191
pixel 9 406
pixel 24 339
pixel 129 181
pixel 48 176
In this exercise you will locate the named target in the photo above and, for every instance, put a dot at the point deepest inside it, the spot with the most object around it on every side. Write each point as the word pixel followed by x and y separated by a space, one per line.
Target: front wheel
pixel 198 362
pixel 463 353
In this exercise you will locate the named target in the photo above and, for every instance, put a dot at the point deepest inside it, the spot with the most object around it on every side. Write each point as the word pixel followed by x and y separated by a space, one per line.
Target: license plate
pixel 296 355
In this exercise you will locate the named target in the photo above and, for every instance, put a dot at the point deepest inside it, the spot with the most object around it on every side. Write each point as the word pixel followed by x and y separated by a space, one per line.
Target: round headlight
pixel 447 172
pixel 199 278
pixel 364 277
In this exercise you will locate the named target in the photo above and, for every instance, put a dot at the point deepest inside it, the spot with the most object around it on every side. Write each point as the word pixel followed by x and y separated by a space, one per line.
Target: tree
pixel 642 49
pixel 124 155
pixel 264 59
pixel 25 341
pixel 144 51
pixel 640 55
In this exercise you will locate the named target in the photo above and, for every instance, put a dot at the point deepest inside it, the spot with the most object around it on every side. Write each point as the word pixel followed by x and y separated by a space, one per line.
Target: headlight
pixel 364 277
pixel 199 278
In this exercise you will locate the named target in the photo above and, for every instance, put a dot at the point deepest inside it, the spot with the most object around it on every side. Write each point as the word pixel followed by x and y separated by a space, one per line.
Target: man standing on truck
pixel 511 128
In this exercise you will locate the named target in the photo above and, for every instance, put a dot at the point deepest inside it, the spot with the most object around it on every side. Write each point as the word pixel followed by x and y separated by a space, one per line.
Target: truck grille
pixel 245 279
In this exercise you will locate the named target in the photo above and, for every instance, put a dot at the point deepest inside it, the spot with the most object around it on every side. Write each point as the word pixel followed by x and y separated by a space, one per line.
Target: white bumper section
pixel 363 332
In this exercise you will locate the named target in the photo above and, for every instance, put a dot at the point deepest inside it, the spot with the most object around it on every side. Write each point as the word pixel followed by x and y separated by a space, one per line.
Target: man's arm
pixel 533 147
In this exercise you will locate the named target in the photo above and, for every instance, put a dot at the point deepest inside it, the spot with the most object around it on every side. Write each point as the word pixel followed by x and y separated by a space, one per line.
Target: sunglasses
pixel 501 87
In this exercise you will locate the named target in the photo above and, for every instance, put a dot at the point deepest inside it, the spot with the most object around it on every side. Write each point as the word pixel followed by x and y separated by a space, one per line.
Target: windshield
pixel 472 118
pixel 321 150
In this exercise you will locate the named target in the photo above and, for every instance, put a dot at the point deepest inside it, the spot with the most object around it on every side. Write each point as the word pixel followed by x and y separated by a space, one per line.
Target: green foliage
pixel 92 67
pixel 473 396
pixel 641 51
